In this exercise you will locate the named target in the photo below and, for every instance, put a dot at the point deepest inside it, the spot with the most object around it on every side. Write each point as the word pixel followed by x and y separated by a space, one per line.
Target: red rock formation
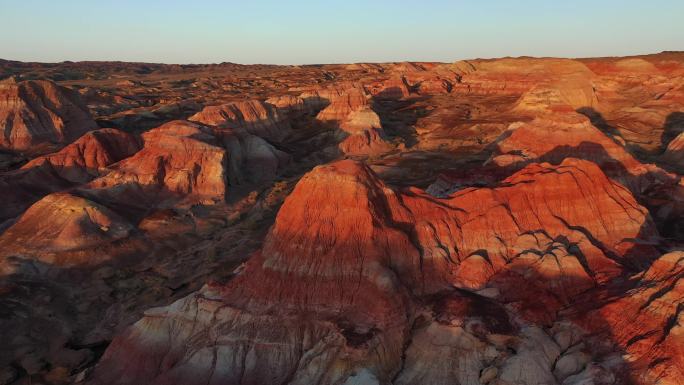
pixel 290 104
pixel 560 96
pixel 342 104
pixel 361 132
pixel 647 322
pixel 105 100
pixel 35 115
pixel 78 162
pixel 409 67
pixel 85 158
pixel 433 85
pixel 365 67
pixel 179 159
pixel 512 272
pixel 572 79
pixel 437 81
pixel 331 295
pixel 255 117
pixel 60 222
pixel 317 98
pixel 251 158
pixel 393 88
pixel 21 188
pixel 241 126
pixel 188 162
pixel 553 137
pixel 640 99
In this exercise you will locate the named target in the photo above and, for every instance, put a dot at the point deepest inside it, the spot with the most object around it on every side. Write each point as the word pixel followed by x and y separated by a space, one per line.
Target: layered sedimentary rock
pixel 188 162
pixel 435 81
pixel 432 85
pixel 342 103
pixel 361 132
pixel 290 104
pixel 243 127
pixel 555 136
pixel 21 188
pixel 647 322
pixel 78 162
pixel 332 295
pixel 251 158
pixel 393 88
pixel 39 115
pixel 63 221
pixel 86 157
pixel 255 117
pixel 640 100
pixel 179 159
pixel 365 134
pixel 517 76
pixel 509 272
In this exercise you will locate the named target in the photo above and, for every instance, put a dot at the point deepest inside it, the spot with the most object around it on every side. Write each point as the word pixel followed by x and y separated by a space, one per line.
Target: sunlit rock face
pixel 646 322
pixel 510 221
pixel 79 162
pixel 255 117
pixel 62 221
pixel 89 155
pixel 179 158
pixel 38 115
pixel 360 129
pixel 341 271
pixel 553 137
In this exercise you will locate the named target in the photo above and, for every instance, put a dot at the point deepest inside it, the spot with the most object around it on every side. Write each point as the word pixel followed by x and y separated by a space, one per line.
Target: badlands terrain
pixel 516 221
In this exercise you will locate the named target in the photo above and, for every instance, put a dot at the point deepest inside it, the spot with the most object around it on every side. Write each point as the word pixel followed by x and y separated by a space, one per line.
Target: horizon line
pixel 342 63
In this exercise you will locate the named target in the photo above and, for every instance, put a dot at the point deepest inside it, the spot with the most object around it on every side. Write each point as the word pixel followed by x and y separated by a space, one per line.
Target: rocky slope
pixel 255 117
pixel 350 265
pixel 63 221
pixel 39 115
pixel 86 157
pixel 360 129
pixel 502 221
pixel 81 161
pixel 646 323
pixel 178 159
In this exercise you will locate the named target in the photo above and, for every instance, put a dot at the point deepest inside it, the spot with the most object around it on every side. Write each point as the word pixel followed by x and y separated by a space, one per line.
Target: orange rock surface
pixel 36 114
pixel 79 162
pixel 647 322
pixel 178 159
pixel 63 221
pixel 483 222
pixel 255 117
pixel 347 257
pixel 88 155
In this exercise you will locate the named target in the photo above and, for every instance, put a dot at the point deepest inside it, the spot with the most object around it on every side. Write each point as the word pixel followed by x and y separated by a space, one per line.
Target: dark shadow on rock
pixel 399 116
pixel 674 125
pixel 597 119
pixel 649 189
pixel 54 315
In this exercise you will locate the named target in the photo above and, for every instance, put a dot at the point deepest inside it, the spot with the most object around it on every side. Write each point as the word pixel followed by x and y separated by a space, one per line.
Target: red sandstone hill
pixel 360 130
pixel 484 222
pixel 37 114
pixel 81 161
pixel 255 117
pixel 347 260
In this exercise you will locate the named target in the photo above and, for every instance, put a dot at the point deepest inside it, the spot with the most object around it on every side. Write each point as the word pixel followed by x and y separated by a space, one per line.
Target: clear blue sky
pixel 292 32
